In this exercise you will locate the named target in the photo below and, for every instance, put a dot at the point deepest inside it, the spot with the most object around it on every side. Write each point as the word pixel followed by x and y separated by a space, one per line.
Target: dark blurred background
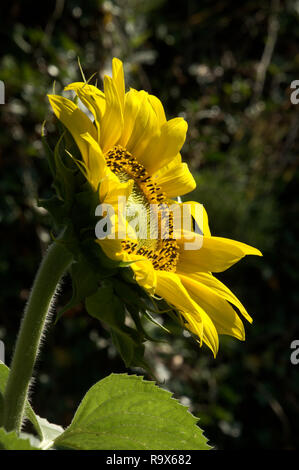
pixel 226 67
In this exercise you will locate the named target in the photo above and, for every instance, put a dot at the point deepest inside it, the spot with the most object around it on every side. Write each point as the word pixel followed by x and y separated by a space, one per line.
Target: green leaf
pixel 46 431
pixel 125 412
pixel 49 432
pixel 10 441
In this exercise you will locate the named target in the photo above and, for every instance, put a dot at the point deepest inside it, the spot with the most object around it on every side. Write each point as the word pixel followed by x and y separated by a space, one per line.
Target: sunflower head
pixel 127 156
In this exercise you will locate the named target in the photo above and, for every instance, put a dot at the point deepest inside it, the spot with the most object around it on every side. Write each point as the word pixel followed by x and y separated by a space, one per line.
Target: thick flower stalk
pixel 52 268
pixel 131 152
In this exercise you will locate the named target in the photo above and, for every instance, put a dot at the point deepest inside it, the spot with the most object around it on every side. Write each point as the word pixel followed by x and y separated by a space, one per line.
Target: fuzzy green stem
pixel 54 264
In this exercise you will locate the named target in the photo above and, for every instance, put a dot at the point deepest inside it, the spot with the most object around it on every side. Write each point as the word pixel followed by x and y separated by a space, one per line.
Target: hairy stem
pixel 54 264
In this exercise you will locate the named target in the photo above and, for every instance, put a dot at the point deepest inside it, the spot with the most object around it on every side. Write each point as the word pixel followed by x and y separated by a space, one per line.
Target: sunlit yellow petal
pixel 112 121
pixel 145 128
pixel 133 102
pixel 96 161
pixel 215 255
pixel 113 197
pixel 119 80
pixel 164 148
pixel 175 178
pixel 144 273
pixel 74 120
pixel 159 110
pixel 170 287
pixel 221 290
pixel 93 98
pixel 112 189
pixel 112 249
pixel 221 313
pixel 199 213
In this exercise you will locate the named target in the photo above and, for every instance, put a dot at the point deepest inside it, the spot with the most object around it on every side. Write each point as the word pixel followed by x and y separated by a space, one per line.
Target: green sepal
pixel 84 283
pixel 107 307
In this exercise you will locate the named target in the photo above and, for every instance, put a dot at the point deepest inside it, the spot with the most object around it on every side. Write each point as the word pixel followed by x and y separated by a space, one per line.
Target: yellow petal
pixel 96 161
pixel 221 290
pixel 112 121
pixel 113 196
pixel 190 218
pixel 170 288
pixel 144 273
pixel 119 80
pixel 112 249
pixel 158 108
pixel 221 313
pixel 145 128
pixel 164 147
pixel 112 189
pixel 133 102
pixel 175 178
pixel 215 255
pixel 93 98
pixel 75 121
pixel 199 213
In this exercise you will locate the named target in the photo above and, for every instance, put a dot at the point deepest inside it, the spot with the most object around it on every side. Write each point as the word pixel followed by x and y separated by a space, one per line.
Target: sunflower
pixel 131 152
